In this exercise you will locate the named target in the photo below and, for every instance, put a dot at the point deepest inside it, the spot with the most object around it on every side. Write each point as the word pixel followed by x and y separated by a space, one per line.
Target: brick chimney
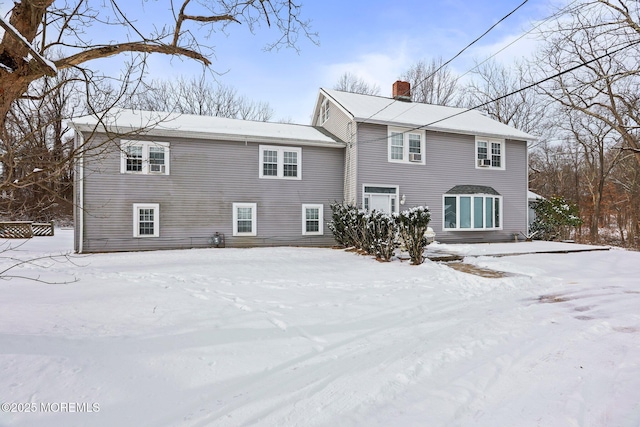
pixel 402 91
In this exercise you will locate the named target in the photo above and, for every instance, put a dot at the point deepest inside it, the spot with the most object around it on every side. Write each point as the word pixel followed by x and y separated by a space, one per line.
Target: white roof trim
pixel 204 127
pixel 387 111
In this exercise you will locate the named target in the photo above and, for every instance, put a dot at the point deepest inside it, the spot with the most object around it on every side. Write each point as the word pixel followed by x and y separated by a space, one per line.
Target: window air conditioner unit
pixel 415 157
pixel 158 168
pixel 483 163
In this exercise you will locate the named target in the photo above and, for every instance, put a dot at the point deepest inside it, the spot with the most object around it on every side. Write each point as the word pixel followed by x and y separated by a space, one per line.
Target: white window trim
pixel 325 108
pixel 396 195
pixel 320 231
pixel 146 145
pixel 136 219
pixel 254 219
pixel 458 228
pixel 405 138
pixel 280 150
pixel 503 160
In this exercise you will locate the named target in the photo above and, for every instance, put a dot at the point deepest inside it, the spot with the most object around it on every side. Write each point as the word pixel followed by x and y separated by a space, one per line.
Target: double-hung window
pixel 146 220
pixel 280 162
pixel 144 157
pixel 490 153
pixel 245 221
pixel 472 212
pixel 312 220
pixel 406 146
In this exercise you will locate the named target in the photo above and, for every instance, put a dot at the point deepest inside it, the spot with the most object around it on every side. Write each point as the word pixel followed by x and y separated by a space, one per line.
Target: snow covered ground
pixel 319 337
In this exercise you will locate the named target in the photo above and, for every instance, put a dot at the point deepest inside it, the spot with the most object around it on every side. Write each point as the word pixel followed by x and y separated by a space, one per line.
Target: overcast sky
pixel 375 39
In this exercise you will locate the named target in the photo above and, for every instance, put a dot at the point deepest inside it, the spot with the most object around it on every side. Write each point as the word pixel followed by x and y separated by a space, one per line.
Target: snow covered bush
pixel 383 235
pixel 338 224
pixel 373 233
pixel 555 217
pixel 349 226
pixel 412 225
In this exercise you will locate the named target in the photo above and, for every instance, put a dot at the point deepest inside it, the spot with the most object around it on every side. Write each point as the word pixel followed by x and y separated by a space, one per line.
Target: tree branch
pixel 142 47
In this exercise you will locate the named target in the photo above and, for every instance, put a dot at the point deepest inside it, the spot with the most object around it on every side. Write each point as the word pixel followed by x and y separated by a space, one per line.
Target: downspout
pixel 79 193
pixel 527 195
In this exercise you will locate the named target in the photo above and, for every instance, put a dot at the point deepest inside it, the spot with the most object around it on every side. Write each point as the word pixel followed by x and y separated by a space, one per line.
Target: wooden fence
pixel 25 229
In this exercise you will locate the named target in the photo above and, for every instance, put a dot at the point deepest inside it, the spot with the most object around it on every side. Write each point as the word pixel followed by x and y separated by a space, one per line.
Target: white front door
pixel 380 198
pixel 380 202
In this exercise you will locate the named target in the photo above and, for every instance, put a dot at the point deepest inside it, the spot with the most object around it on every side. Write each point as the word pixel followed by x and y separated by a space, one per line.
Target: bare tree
pixel 36 28
pixel 36 152
pixel 349 82
pixel 196 96
pixel 593 49
pixel 597 41
pixel 432 83
pixel 601 156
pixel 46 42
pixel 525 110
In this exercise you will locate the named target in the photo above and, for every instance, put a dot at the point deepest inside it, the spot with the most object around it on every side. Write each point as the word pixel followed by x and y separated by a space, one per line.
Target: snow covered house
pixel 470 170
pixel 160 181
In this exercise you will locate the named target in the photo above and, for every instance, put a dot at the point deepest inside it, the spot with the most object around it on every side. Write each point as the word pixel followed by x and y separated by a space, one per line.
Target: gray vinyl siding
pixel 195 200
pixel 450 161
pixel 351 172
pixel 341 126
pixel 337 123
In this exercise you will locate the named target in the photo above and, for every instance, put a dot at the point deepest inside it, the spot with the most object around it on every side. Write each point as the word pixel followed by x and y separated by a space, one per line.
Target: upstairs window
pixel 324 110
pixel 133 155
pixel 144 157
pixel 406 147
pixel 280 162
pixel 489 154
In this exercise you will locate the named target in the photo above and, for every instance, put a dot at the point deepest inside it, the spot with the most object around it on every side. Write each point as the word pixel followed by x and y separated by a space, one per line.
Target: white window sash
pixel 146 147
pixel 489 147
pixel 280 159
pixel 253 219
pixel 483 214
pixel 305 220
pixel 137 207
pixel 405 148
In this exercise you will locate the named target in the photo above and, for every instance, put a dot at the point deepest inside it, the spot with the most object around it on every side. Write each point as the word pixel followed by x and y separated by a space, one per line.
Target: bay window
pixel 472 212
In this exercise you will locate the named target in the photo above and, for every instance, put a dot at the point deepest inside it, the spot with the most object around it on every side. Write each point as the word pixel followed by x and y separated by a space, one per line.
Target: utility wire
pixel 454 57
pixel 544 21
pixel 539 82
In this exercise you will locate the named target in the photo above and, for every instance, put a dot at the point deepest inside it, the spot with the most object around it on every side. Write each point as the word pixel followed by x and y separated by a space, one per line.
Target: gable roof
pixel 161 124
pixel 387 111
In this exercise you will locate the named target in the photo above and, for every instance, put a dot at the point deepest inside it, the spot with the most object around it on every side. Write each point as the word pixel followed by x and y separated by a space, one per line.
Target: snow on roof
pixel 377 109
pixel 533 196
pixel 203 127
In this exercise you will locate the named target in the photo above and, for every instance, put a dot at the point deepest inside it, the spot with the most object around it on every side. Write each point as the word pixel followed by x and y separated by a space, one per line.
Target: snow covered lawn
pixel 318 337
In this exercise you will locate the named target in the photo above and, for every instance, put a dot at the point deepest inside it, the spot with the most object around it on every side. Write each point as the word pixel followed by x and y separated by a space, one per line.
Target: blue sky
pixel 374 39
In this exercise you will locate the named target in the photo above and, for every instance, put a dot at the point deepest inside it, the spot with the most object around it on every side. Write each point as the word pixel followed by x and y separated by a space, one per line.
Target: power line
pixel 539 82
pixel 454 57
pixel 558 13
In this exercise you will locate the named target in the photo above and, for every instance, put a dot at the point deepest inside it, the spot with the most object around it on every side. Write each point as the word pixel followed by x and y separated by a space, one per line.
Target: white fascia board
pixel 336 103
pixel 167 133
pixel 412 126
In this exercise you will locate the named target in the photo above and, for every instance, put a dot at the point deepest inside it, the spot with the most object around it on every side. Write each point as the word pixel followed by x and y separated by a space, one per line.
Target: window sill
pixel 471 229
pixel 405 162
